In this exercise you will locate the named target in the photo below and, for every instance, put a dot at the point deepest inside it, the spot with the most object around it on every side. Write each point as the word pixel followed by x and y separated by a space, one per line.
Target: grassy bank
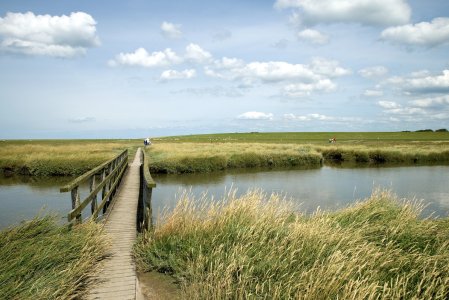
pixel 317 138
pixel 256 247
pixel 59 157
pixel 42 260
pixel 203 157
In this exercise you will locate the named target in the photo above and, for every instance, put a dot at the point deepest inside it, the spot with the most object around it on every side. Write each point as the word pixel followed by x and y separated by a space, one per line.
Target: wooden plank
pixel 117 278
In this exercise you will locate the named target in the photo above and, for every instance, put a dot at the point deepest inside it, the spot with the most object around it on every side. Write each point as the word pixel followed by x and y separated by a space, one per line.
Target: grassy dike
pixel 59 157
pixel 255 247
pixel 42 260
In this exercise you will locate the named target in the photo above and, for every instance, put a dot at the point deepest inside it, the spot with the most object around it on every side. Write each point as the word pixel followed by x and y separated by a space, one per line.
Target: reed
pixel 207 157
pixel 59 157
pixel 257 247
pixel 42 260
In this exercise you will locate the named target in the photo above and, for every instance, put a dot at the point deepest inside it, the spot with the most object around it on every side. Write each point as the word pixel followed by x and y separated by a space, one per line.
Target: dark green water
pixel 329 188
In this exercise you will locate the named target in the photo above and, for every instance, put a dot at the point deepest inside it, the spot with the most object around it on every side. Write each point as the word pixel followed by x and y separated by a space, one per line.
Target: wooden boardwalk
pixel 117 278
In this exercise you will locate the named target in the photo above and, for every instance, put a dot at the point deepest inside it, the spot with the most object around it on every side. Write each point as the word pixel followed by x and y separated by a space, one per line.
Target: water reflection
pixel 24 197
pixel 329 188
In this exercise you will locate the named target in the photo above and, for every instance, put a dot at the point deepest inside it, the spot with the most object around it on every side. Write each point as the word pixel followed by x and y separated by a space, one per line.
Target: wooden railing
pixel 146 192
pixel 109 175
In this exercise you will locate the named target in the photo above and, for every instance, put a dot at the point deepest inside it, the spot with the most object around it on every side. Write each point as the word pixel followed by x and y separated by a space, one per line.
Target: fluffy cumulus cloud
pixel 369 12
pixel 422 83
pixel 293 80
pixel 141 57
pixel 255 115
pixel 170 30
pixel 423 34
pixel 173 74
pixel 297 80
pixel 435 108
pixel 373 72
pixel 56 36
pixel 197 54
pixel 313 36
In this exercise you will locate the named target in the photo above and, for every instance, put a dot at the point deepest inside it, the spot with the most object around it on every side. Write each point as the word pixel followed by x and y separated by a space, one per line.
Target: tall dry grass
pixel 42 260
pixel 256 247
pixel 59 157
pixel 207 157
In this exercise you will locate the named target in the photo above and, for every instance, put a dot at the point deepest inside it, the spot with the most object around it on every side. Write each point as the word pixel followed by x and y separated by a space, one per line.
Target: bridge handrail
pixel 147 185
pixel 111 173
pixel 150 183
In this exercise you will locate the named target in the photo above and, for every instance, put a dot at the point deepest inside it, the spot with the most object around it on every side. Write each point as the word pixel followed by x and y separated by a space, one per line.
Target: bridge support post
pixel 76 202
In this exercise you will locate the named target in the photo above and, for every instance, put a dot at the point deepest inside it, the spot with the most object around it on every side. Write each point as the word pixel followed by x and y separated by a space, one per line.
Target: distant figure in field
pixel 332 140
pixel 147 142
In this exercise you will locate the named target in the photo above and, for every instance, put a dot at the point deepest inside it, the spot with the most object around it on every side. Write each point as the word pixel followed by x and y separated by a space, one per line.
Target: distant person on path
pixel 147 142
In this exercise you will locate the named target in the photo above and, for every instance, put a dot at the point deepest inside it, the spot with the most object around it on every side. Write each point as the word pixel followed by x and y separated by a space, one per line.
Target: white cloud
pixel 422 82
pixel 321 117
pixel 373 93
pixel 313 36
pixel 142 58
pixel 368 12
pixel 388 104
pixel 197 54
pixel 439 102
pixel 56 36
pixel 424 34
pixel 255 115
pixel 373 72
pixel 173 74
pixel 82 120
pixel 170 30
pixel 306 89
pixel 216 91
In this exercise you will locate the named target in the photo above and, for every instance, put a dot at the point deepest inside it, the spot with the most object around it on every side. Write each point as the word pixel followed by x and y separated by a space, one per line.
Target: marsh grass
pixel 59 157
pixel 256 247
pixel 183 157
pixel 42 260
pixel 207 157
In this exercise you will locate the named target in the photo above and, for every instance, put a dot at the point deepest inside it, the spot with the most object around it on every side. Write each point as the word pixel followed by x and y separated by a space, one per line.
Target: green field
pixel 366 138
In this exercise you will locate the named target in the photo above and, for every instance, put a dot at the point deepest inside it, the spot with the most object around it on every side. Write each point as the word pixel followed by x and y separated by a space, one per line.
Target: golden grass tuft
pixel 42 260
pixel 256 246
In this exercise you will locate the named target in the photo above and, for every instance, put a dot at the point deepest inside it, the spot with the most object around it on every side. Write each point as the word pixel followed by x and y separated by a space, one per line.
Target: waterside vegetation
pixel 205 153
pixel 59 157
pixel 256 246
pixel 40 259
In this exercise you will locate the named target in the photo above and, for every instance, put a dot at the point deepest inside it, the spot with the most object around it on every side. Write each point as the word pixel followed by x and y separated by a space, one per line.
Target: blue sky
pixel 118 69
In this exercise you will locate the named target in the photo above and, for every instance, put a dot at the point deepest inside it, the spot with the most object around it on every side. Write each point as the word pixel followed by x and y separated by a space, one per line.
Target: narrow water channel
pixel 329 188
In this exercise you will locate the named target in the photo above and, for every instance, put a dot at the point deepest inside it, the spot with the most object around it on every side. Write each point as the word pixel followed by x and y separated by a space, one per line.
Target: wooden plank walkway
pixel 117 278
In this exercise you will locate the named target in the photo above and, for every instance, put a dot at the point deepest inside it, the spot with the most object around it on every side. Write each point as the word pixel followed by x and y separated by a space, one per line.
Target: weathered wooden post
pixel 104 191
pixel 76 202
pixel 93 204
